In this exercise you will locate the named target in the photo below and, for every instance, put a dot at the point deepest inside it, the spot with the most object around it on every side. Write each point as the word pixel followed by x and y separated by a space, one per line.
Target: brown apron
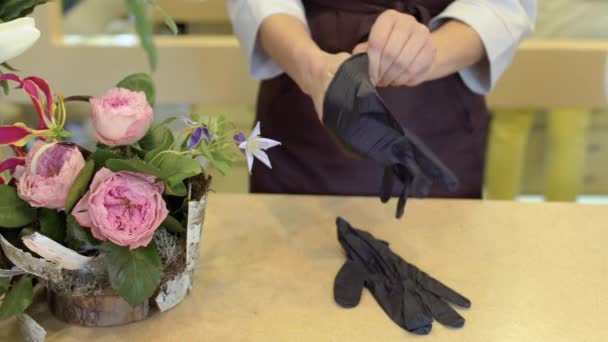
pixel 444 113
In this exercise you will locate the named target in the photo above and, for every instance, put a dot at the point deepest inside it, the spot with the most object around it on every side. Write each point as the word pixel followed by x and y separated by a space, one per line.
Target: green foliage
pixel 143 27
pixel 222 151
pixel 167 19
pixel 173 225
pixel 14 212
pixel 158 139
pixel 101 156
pixel 80 186
pixel 4 84
pixel 77 237
pixel 140 82
pixel 4 285
pixel 175 168
pixel 7 66
pixel 52 224
pixel 133 164
pixel 134 274
pixel 13 9
pixel 18 298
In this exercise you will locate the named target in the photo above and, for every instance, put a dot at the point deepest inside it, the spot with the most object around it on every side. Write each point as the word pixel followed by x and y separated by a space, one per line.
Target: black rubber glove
pixel 363 125
pixel 410 297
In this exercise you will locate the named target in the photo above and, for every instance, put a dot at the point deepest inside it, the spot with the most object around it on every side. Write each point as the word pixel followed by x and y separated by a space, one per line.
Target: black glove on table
pixel 410 297
pixel 357 117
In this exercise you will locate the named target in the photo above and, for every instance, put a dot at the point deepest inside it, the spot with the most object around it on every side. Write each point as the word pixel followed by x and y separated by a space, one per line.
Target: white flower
pixel 255 146
pixel 16 36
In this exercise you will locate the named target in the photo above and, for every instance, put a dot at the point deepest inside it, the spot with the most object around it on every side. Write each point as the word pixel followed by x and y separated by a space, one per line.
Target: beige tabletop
pixel 534 272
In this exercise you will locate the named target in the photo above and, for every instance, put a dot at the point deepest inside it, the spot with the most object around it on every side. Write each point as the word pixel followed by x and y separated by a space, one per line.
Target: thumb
pixel 360 48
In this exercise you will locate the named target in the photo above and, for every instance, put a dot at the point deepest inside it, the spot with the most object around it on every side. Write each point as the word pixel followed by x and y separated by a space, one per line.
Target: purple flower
pixel 206 133
pixel 239 138
pixel 195 138
pixel 189 122
pixel 201 131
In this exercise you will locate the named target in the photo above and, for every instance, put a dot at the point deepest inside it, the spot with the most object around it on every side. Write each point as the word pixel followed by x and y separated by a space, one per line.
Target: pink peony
pixel 124 207
pixel 121 117
pixel 49 172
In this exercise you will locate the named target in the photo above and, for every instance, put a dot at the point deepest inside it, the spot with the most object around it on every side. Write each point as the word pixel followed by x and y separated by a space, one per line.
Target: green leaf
pixel 5 89
pixel 4 85
pixel 78 237
pixel 175 169
pixel 168 20
pixel 134 274
pixel 4 284
pixel 140 82
pixel 158 139
pixel 13 9
pixel 7 66
pixel 143 26
pixel 177 189
pixel 101 156
pixel 17 299
pixel 135 165
pixel 80 186
pixel 173 225
pixel 14 212
pixel 52 224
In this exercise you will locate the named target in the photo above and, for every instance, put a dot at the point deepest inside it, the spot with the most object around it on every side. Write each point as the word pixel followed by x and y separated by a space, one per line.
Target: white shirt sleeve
pixel 501 24
pixel 247 16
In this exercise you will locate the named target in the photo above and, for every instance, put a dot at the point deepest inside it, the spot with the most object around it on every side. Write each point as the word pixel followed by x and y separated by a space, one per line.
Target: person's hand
pixel 318 75
pixel 400 50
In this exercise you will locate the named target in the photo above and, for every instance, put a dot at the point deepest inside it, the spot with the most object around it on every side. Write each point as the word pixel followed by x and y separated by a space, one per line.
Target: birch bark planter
pixel 106 308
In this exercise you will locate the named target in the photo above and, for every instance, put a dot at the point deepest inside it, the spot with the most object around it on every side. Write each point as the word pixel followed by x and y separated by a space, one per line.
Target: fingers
pixel 403 199
pixel 378 37
pixel 388 179
pixel 361 48
pixel 413 60
pixel 400 50
pixel 416 317
pixel 440 290
pixel 416 72
pixel 441 310
pixel 348 284
pixel 396 43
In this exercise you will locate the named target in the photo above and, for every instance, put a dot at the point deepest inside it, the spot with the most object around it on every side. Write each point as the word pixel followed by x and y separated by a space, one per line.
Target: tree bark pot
pixel 107 309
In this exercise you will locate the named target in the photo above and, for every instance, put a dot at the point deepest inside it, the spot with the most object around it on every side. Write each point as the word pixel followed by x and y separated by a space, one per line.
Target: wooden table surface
pixel 534 272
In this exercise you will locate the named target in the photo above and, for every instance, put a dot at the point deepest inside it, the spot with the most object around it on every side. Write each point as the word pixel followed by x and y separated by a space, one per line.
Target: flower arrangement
pixel 125 218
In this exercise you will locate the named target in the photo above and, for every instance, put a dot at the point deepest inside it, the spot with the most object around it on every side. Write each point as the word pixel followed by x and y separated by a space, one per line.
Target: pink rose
pixel 49 172
pixel 121 117
pixel 124 207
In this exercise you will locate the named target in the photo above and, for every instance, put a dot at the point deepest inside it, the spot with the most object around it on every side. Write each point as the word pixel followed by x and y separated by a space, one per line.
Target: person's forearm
pixel 287 41
pixel 458 46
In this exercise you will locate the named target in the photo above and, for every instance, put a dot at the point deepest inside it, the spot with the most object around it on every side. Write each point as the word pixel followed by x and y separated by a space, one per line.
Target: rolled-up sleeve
pixel 247 16
pixel 501 25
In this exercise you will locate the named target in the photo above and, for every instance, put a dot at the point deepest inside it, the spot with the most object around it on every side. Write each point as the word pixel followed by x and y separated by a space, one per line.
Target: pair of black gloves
pixel 364 126
pixel 410 297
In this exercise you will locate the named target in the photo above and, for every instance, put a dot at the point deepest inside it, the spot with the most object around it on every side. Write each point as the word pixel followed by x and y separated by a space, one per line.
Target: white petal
pixel 16 36
pixel 265 143
pixel 256 131
pixel 249 161
pixel 263 157
pixel 243 145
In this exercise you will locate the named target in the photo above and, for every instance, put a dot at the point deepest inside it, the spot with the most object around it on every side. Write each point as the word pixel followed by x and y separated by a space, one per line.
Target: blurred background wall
pixel 549 130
